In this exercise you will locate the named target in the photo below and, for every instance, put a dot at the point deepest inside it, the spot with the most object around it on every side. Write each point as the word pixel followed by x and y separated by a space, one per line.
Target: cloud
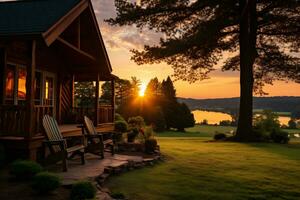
pixel 126 37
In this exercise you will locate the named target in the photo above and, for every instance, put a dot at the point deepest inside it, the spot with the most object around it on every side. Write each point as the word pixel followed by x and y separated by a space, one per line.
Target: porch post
pixel 113 99
pixel 59 98
pixel 30 78
pixel 97 101
pixel 2 74
pixel 73 90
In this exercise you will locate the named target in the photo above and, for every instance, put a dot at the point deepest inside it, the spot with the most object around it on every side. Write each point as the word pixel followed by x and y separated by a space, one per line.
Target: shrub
pixel 117 195
pixel 119 117
pixel 25 169
pixel 284 126
pixel 132 135
pixel 45 182
pixel 136 122
pixel 121 126
pixel 264 125
pixel 280 136
pixel 204 122
pixel 83 190
pixel 225 123
pixel 267 121
pixel 150 145
pixel 219 136
pixel 292 124
pixel 260 135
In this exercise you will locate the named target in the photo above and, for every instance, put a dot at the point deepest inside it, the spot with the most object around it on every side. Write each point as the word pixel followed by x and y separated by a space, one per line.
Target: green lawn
pixel 197 169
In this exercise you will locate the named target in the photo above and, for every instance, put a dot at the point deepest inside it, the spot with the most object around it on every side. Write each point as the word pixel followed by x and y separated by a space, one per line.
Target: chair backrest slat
pixel 89 126
pixel 52 131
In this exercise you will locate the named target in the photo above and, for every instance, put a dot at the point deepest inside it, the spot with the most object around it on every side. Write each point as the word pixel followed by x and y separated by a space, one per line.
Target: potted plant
pixel 132 135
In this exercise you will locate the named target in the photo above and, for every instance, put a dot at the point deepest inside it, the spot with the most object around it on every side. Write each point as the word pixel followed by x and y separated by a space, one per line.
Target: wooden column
pixel 73 90
pixel 30 78
pixel 113 99
pixel 78 33
pixel 59 98
pixel 2 74
pixel 97 101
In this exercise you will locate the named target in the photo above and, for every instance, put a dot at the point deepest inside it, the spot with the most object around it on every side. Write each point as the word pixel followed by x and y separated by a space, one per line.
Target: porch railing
pixel 12 120
pixel 105 113
pixel 40 112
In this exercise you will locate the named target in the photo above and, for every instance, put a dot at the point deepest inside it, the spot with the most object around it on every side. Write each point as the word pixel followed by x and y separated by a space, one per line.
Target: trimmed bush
pixel 118 195
pixel 280 136
pixel 121 126
pixel 150 145
pixel 45 182
pixel 83 190
pixel 136 122
pixel 118 117
pixel 220 136
pixel 25 169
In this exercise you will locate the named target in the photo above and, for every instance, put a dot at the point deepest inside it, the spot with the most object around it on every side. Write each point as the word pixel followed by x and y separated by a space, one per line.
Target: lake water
pixel 215 117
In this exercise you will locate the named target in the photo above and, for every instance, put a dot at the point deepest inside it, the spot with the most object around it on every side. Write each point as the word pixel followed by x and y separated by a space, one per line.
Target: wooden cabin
pixel 45 47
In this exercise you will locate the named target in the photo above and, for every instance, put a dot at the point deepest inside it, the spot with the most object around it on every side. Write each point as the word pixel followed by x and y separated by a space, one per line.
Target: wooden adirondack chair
pixel 58 145
pixel 97 142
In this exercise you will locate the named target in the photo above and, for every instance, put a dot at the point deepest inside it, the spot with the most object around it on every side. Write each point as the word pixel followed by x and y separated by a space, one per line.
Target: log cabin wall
pixel 12 116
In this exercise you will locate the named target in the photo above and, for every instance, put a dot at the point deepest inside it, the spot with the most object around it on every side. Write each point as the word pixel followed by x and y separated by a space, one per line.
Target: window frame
pixel 16 66
pixel 15 100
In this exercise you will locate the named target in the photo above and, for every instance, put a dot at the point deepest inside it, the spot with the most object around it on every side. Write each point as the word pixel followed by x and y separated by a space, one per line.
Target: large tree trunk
pixel 247 40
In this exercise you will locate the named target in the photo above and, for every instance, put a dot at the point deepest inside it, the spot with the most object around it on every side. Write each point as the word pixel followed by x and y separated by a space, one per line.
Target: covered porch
pixel 38 72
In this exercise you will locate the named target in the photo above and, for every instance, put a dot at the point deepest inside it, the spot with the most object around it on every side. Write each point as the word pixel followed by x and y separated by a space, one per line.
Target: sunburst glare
pixel 142 89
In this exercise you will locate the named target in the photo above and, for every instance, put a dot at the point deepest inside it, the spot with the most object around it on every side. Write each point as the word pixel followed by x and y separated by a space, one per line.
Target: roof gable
pixel 32 16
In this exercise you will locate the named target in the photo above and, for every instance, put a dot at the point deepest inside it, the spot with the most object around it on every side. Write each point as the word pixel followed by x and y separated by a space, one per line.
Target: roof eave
pixel 54 31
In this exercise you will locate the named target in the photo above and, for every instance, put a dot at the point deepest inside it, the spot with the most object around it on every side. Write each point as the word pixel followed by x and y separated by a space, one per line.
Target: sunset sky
pixel 119 41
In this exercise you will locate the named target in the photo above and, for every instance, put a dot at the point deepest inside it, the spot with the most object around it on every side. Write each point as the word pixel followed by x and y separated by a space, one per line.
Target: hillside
pixel 278 104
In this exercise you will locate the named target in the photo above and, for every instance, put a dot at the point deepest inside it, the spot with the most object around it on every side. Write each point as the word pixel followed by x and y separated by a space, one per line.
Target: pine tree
pixel 259 38
pixel 169 102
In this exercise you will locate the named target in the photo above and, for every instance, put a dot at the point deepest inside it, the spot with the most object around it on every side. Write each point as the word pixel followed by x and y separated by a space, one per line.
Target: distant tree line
pixel 158 107
pixel 230 105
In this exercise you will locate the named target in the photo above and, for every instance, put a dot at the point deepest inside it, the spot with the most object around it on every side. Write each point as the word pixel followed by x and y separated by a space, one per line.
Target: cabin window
pixel 22 84
pixel 15 85
pixel 10 83
pixel 49 90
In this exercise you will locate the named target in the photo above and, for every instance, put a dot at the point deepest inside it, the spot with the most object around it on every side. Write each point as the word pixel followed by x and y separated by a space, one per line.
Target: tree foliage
pixel 85 93
pixel 199 33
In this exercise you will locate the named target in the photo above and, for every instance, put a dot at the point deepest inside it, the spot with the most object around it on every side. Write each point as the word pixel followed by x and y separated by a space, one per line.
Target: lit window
pixel 48 91
pixel 10 82
pixel 21 84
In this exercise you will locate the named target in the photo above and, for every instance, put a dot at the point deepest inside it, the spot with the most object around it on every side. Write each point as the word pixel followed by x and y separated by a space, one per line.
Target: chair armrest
pixel 94 136
pixel 106 133
pixel 62 143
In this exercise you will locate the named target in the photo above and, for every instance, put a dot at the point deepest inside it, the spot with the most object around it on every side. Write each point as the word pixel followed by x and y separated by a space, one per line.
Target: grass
pixel 197 169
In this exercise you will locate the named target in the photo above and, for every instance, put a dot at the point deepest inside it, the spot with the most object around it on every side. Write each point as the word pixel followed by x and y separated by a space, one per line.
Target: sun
pixel 142 89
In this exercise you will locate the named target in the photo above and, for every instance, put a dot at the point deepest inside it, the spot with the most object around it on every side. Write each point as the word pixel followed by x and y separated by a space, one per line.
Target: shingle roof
pixel 32 16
